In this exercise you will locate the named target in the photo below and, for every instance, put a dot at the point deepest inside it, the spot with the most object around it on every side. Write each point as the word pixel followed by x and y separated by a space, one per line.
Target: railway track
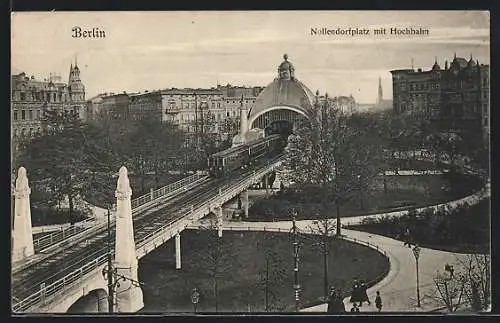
pixel 29 280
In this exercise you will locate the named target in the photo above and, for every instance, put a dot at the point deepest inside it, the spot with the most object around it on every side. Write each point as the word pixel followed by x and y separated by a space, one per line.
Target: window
pixel 227 114
pixel 30 114
pixel 23 115
pixel 23 96
pixel 15 115
pixel 39 114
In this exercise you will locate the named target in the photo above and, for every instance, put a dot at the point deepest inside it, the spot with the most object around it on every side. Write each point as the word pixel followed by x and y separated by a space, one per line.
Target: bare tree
pixel 450 290
pixel 217 259
pixel 476 270
pixel 466 283
pixel 272 276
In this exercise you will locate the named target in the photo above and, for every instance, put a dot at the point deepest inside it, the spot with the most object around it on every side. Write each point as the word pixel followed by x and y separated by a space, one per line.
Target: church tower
pixel 380 93
pixel 75 85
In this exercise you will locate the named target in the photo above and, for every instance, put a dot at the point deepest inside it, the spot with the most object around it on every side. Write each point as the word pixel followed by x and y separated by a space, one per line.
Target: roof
pixel 462 62
pixel 283 92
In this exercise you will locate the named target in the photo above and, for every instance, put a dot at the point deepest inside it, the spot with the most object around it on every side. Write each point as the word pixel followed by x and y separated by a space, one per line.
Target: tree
pixel 217 260
pixel 467 281
pixel 337 155
pixel 476 269
pixel 153 147
pixel 449 290
pixel 272 276
pixel 65 160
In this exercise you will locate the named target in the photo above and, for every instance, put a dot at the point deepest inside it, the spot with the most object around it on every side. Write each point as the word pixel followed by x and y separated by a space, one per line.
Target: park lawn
pixel 168 290
pixel 402 192
pixel 467 231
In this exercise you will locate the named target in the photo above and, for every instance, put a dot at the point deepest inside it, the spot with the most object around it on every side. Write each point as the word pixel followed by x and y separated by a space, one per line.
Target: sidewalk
pixel 398 288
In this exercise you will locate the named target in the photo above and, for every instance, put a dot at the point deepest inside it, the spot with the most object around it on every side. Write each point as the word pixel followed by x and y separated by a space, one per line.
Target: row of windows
pixel 49 97
pixel 30 114
pixel 23 132
pixel 27 115
pixel 421 86
pixel 218 116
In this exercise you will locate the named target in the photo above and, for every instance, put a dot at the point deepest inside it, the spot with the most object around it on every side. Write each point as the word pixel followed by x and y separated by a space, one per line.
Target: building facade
pixel 455 97
pixel 30 98
pixel 214 110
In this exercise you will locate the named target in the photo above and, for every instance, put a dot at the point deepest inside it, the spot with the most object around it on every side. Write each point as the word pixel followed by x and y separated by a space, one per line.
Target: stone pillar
pixel 245 202
pixel 22 235
pixel 219 220
pixel 266 184
pixel 128 295
pixel 178 251
pixel 243 119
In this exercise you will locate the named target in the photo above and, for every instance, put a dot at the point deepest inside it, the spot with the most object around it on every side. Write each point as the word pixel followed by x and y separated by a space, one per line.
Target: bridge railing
pixel 137 204
pixel 149 198
pixel 61 284
pixel 59 235
pixel 57 286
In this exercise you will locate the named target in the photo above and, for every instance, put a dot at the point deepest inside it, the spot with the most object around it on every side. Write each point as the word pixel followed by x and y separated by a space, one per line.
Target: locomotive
pixel 226 161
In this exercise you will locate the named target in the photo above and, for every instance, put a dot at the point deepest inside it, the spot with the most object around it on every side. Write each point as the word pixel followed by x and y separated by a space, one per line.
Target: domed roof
pixel 283 92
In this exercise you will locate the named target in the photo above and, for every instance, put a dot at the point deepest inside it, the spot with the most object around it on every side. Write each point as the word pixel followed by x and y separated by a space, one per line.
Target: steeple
pixel 436 66
pixel 76 88
pixel 380 93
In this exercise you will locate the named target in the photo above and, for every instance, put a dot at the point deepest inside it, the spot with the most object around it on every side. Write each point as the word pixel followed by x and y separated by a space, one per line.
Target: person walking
pixel 331 301
pixel 378 301
pixel 335 302
pixel 363 296
pixel 355 295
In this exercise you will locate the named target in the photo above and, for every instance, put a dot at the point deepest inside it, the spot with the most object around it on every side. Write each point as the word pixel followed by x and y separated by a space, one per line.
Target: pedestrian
pixel 363 295
pixel 354 308
pixel 378 301
pixel 331 301
pixel 339 302
pixel 354 293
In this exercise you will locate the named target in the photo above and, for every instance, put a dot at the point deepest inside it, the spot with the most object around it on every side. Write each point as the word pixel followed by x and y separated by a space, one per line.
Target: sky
pixel 199 49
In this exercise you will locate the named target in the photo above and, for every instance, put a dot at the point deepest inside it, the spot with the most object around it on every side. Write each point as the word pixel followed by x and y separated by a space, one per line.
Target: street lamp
pixel 416 253
pixel 109 272
pixel 296 284
pixel 195 298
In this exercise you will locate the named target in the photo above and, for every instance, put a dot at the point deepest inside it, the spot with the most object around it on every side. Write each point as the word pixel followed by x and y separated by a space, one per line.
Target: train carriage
pixel 230 159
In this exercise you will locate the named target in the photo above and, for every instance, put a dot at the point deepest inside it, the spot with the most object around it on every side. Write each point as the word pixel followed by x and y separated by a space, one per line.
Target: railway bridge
pixel 72 277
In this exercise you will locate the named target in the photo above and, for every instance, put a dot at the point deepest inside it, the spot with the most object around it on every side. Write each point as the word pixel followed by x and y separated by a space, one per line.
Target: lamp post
pixel 416 253
pixel 195 298
pixel 108 272
pixel 296 284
